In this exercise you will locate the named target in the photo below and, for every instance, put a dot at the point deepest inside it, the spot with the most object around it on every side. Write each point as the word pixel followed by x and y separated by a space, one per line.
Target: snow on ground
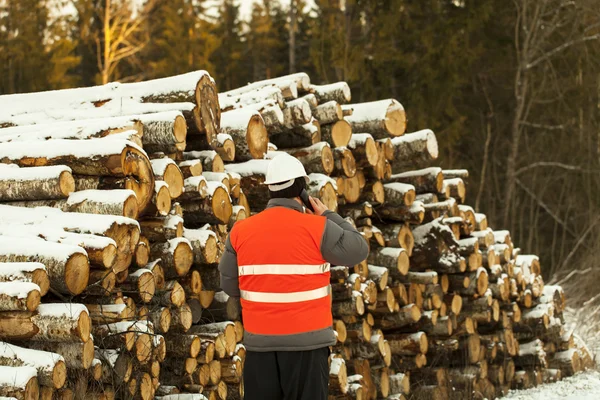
pixel 583 386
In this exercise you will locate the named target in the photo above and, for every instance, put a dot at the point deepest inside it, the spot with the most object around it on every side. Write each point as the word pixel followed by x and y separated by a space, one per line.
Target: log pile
pixel 116 203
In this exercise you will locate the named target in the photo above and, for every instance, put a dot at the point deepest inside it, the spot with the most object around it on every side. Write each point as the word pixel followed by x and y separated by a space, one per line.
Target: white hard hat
pixel 282 171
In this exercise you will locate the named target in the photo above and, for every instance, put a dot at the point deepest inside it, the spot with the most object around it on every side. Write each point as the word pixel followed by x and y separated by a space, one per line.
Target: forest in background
pixel 510 87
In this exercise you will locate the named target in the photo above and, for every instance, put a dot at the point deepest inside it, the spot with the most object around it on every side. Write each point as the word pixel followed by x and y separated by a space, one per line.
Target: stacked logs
pixel 115 212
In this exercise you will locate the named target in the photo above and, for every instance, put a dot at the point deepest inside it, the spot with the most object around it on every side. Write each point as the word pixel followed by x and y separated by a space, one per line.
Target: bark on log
pixel 20 383
pixel 413 214
pixel 379 118
pixel 51 322
pixel 365 150
pixel 51 367
pixel 339 92
pixel 19 296
pixel 32 272
pixel 214 208
pixel 399 194
pixel 176 256
pixel 164 132
pixel 300 136
pixel 96 157
pixel 161 229
pixel 77 356
pixel 120 202
pixel 67 265
pixel 101 251
pixel 248 131
pixel 211 161
pixel 428 180
pixel 35 183
pixel 416 149
pixel 328 112
pixel 317 158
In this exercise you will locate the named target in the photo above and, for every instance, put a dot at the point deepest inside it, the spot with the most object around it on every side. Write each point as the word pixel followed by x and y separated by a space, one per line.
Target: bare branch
pixel 543 126
pixel 557 165
pixel 546 208
pixel 561 48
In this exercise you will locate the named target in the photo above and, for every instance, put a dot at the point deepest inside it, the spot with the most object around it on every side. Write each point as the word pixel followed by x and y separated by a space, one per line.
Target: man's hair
pixel 290 192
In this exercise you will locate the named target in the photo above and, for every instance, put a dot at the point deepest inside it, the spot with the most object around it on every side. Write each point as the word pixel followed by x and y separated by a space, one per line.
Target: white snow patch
pixel 32 358
pixel 200 235
pixel 336 364
pixel 71 310
pixel 582 386
pixel 31 173
pixel 159 165
pixel 182 396
pixel 15 271
pixel 16 376
pixel 320 180
pixel 249 168
pixel 19 290
pixel 114 196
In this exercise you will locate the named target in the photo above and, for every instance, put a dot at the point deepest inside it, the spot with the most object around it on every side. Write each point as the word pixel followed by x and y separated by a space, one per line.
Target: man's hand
pixel 318 206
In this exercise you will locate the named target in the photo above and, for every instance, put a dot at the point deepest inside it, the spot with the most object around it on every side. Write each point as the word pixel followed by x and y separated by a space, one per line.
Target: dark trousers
pixel 286 375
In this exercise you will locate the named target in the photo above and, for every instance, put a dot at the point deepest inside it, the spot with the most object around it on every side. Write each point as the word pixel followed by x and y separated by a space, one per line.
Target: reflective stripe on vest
pixel 294 297
pixel 283 269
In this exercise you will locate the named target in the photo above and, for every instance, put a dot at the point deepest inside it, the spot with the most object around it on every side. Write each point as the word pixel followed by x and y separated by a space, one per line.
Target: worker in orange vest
pixel 277 262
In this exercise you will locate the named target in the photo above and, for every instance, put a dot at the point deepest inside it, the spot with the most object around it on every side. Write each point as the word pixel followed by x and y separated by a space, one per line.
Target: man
pixel 278 263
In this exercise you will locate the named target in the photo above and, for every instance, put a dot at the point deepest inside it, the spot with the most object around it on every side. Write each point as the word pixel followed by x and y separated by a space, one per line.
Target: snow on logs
pixel 381 118
pixel 122 163
pixel 122 202
pixel 36 183
pixel 441 297
pixel 26 272
pixel 112 99
pixel 51 367
pixel 248 131
pixel 67 265
pixel 57 322
pixel 19 383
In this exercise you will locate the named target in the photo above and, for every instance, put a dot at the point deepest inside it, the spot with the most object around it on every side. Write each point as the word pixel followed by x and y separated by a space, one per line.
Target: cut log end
pixel 66 183
pixel 257 137
pixel 77 271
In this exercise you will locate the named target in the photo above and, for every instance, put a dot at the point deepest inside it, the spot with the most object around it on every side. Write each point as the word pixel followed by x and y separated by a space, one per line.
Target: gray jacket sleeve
pixel 228 268
pixel 341 243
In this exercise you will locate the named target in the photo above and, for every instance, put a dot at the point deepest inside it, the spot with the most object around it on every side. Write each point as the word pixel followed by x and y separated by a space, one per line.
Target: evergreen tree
pixel 181 39
pixel 228 58
pixel 23 59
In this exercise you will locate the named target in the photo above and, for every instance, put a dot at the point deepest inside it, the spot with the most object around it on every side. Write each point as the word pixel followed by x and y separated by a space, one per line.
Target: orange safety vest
pixel 283 278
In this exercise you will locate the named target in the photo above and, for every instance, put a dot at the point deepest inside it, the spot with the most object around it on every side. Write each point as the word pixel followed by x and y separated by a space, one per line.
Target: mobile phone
pixel 306 200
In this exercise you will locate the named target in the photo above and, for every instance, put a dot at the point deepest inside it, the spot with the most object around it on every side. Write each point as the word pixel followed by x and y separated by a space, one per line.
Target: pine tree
pixel 181 39
pixel 228 58
pixel 23 59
